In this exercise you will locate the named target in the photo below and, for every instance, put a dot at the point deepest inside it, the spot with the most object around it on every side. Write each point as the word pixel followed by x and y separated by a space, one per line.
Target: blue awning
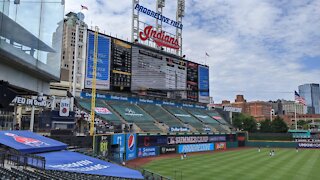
pixel 76 162
pixel 29 142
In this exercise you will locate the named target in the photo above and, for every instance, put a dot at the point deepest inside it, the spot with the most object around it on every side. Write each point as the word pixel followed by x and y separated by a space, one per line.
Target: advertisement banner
pixel 168 149
pixel 102 110
pixel 187 139
pixel 308 145
pixel 120 140
pixel 203 84
pixel 148 151
pixel 103 62
pixel 220 146
pixel 131 146
pixel 147 141
pixel 64 107
pixel 217 138
pixel 179 129
pixel 186 148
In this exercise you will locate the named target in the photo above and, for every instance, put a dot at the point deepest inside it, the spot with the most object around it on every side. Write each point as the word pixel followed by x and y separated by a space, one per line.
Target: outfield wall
pixel 271 144
pixel 124 147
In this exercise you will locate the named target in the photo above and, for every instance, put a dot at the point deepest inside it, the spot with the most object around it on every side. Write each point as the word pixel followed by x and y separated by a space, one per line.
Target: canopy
pixel 29 142
pixel 76 162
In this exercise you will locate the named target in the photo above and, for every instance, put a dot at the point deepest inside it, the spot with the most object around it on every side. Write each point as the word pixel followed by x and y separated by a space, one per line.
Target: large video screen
pixel 155 71
pixel 203 75
pixel 103 62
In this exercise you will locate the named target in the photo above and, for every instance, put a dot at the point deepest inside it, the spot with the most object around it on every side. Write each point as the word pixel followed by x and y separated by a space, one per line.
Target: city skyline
pixel 262 49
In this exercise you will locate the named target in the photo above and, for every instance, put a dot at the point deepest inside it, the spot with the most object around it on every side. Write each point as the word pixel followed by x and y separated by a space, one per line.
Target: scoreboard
pixel 192 81
pixel 152 70
pixel 121 66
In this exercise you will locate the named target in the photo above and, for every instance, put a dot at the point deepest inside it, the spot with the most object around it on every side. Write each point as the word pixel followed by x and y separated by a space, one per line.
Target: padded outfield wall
pixel 124 147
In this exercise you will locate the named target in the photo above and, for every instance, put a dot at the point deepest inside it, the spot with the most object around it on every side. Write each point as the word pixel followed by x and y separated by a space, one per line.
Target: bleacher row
pixel 156 118
pixel 37 174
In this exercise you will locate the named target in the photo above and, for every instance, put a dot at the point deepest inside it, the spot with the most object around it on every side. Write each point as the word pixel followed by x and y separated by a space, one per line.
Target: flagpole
pixel 295 115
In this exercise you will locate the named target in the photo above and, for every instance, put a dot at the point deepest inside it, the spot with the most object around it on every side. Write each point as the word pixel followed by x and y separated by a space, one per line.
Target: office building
pixel 311 94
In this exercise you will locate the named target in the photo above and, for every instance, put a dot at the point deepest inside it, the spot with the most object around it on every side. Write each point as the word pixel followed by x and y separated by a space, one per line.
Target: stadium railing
pixel 148 175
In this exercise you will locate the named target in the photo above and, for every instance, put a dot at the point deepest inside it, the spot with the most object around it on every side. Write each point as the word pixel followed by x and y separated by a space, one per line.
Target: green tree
pixel 279 126
pixel 265 126
pixel 245 122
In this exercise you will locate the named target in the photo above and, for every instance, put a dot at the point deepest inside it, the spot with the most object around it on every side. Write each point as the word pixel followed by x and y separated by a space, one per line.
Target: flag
pixel 84 7
pixel 207 54
pixel 298 98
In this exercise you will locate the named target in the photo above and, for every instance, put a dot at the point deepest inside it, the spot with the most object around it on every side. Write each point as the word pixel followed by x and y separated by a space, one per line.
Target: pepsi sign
pixel 131 147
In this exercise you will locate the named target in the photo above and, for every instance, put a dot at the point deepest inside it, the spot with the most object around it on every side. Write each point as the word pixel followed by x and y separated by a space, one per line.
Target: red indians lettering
pixel 160 38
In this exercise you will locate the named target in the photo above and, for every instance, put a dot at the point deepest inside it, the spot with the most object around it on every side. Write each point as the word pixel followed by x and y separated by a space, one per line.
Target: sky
pixel 263 49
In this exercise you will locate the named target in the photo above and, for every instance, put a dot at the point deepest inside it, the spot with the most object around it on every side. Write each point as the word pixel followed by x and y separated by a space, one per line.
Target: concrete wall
pixel 22 79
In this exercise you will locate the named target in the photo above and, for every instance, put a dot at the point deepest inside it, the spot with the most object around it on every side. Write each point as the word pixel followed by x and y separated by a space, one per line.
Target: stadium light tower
pixel 180 15
pixel 160 4
pixel 135 22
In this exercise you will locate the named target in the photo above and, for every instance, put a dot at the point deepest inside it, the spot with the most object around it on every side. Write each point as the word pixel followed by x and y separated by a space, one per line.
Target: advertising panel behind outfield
pixel 131 146
pixel 148 151
pixel 152 70
pixel 186 148
pixel 119 139
pixel 103 62
pixel 220 145
pixel 146 141
pixel 203 83
pixel 168 149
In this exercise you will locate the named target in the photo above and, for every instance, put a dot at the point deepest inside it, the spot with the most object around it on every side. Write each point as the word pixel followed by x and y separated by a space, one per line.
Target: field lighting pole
pixel 93 87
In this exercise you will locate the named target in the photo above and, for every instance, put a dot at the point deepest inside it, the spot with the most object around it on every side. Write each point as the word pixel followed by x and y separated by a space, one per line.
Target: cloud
pixel 256 47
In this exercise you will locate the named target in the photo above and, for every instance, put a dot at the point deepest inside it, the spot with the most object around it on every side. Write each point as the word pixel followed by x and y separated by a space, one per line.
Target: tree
pixel 265 126
pixel 279 126
pixel 245 122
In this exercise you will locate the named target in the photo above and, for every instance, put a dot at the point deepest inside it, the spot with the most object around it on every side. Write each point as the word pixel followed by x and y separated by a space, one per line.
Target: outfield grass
pixel 242 164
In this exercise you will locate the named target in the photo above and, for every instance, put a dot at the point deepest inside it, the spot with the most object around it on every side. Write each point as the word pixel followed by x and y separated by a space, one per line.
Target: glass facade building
pixel 31 35
pixel 311 93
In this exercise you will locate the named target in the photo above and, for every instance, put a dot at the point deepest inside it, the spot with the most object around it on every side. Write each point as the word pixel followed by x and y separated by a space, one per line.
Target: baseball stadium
pixel 126 109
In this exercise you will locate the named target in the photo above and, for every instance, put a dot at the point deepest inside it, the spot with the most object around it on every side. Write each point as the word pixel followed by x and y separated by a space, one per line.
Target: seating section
pixel 145 116
pixel 134 114
pixel 223 126
pixel 204 117
pixel 216 116
pixel 111 118
pixel 185 117
pixel 161 115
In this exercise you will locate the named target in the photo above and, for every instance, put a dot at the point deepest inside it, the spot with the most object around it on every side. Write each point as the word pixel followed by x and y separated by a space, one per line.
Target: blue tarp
pixel 76 162
pixel 29 142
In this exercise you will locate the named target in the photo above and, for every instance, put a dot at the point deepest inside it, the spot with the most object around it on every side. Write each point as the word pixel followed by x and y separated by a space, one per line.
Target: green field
pixel 242 164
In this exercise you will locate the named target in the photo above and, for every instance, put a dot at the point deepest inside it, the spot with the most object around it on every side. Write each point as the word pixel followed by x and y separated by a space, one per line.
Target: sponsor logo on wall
pixel 186 148
pixel 220 146
pixel 168 149
pixel 147 151
pixel 179 129
pixel 309 145
pixel 187 139
pixel 131 147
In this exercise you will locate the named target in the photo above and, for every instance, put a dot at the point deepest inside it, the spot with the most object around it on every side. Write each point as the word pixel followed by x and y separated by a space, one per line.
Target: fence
pixel 270 136
pixel 19 159
pixel 148 175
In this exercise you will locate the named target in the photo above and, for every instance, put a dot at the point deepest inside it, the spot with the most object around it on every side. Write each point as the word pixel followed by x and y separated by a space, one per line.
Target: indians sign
pixel 161 38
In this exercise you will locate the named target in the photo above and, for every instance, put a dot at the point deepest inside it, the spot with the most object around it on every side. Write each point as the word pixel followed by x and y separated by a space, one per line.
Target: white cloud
pixel 255 46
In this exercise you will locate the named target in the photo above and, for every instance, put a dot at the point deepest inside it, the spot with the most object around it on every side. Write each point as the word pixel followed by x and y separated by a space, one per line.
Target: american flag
pixel 84 7
pixel 298 98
